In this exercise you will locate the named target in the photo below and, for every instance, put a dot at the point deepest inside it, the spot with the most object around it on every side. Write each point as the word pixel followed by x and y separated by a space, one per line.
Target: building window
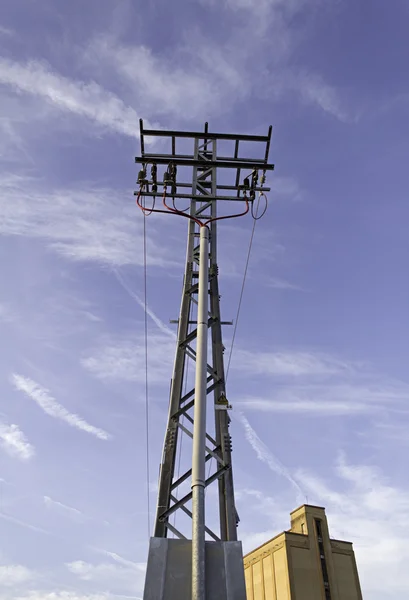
pixel 324 570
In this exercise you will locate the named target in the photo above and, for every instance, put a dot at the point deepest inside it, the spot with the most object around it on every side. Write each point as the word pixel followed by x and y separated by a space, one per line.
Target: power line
pixel 255 219
pixel 146 377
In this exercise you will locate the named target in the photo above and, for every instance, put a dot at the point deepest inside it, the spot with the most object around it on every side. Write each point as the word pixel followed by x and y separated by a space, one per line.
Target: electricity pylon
pixel 178 568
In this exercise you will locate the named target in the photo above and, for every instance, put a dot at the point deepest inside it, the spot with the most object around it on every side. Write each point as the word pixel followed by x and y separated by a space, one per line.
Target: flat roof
pixel 307 506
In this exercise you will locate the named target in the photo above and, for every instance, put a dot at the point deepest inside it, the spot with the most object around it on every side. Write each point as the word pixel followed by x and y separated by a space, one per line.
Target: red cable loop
pixel 230 216
pixel 145 210
pixel 175 211
pixel 180 213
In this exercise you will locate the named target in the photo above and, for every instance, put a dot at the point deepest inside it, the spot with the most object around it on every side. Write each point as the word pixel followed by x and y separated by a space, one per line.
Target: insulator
pixel 154 173
pixel 263 178
pixel 154 188
pixel 246 183
pixel 142 176
pixel 254 178
pixel 166 177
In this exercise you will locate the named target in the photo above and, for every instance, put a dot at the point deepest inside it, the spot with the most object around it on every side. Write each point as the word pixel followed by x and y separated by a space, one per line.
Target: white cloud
pixel 15 443
pixel 363 507
pixel 13 575
pixel 51 407
pixel 289 364
pixel 63 509
pixel 331 398
pixel 82 224
pixel 76 97
pixel 104 571
pixel 124 358
pixel 120 577
pixel 310 406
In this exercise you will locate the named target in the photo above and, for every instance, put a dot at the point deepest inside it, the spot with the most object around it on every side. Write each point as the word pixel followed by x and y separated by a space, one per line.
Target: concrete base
pixel 169 572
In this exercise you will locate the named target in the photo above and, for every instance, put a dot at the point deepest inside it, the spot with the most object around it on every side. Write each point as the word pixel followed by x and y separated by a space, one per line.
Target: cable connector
pixel 166 179
pixel 173 171
pixel 142 177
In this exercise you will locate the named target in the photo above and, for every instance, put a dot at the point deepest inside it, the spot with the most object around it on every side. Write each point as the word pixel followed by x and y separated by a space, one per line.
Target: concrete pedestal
pixel 169 572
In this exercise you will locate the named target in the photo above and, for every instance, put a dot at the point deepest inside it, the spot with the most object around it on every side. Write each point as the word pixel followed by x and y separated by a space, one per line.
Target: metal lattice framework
pixel 203 192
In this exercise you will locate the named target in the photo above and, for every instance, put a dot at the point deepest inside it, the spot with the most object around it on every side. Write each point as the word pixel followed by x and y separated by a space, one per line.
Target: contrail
pixel 264 454
pixel 160 324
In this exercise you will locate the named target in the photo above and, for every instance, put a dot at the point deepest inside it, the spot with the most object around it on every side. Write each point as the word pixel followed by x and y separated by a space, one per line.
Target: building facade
pixel 303 563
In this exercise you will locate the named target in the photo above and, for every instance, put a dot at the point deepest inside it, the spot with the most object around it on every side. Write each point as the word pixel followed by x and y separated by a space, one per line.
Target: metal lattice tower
pixel 200 298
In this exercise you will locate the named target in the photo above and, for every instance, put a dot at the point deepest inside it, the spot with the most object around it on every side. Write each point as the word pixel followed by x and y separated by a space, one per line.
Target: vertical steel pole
pixel 199 428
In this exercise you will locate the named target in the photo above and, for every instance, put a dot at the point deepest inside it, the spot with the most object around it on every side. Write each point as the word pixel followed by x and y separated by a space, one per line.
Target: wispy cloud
pixel 15 443
pixel 123 358
pixel 82 224
pixel 82 99
pixel 282 284
pixel 266 456
pixel 52 408
pixel 24 524
pixel 6 31
pixel 331 398
pixel 286 188
pixel 314 90
pixel 200 74
pixel 63 509
pixel 124 561
pixel 186 87
pixel 290 364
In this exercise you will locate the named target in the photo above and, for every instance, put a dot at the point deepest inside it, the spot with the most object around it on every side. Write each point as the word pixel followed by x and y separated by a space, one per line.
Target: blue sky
pixel 318 378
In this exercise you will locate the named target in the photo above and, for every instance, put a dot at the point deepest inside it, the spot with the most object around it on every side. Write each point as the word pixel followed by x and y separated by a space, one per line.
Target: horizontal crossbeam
pixel 205 135
pixel 221 164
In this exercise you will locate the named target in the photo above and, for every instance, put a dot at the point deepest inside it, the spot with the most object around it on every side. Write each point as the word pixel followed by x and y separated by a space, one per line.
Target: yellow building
pixel 303 563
